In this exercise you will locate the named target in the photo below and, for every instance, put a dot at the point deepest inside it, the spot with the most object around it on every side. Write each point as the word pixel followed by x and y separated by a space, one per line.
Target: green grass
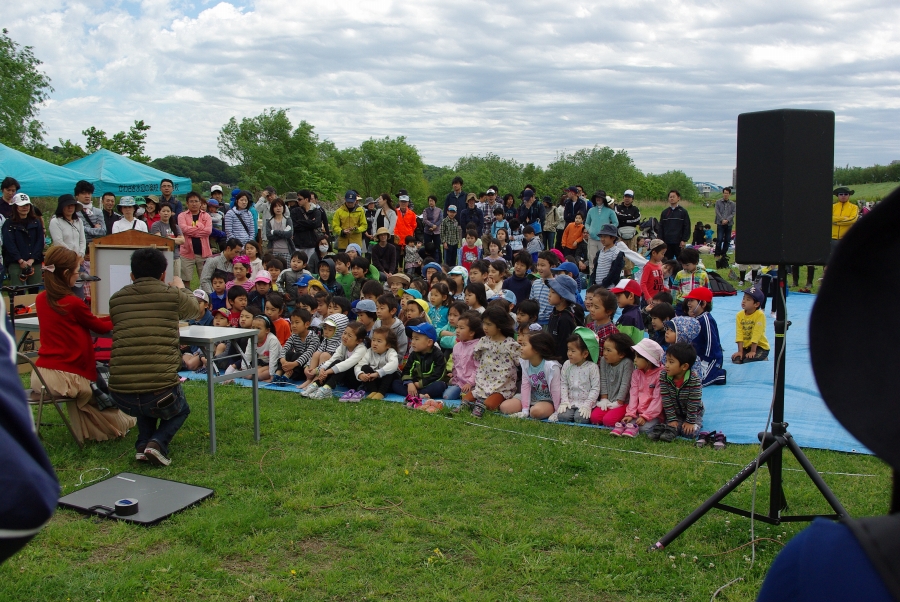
pixel 872 192
pixel 353 502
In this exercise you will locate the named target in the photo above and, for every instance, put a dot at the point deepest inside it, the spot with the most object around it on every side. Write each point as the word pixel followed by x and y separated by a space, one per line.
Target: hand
pixel 309 372
pixel 603 403
pixel 627 419
pixel 562 408
pixel 584 411
pixel 445 246
pixel 411 389
pixel 674 424
pixel 688 429
pixel 553 418
pixel 177 282
pixel 751 354
pixel 735 355
pixel 465 389
pixel 682 244
pixel 640 421
pixel 521 414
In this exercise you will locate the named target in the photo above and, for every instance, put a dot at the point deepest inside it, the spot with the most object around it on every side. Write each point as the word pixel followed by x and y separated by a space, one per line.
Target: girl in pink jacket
pixel 468 333
pixel 540 394
pixel 645 403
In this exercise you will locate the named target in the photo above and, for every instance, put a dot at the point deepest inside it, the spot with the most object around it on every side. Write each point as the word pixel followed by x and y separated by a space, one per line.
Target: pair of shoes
pixel 618 429
pixel 375 396
pixel 413 402
pixel 200 370
pixel 704 438
pixel 631 430
pixel 320 392
pixel 478 410
pixel 656 432
pixel 309 391
pixel 280 378
pixel 719 441
pixel 352 396
pixel 669 434
pixel 805 289
pixel 431 406
pixel 463 405
pixel 155 455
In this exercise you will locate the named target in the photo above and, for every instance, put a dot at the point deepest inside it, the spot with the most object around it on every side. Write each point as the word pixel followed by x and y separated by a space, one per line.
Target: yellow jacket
pixel 354 220
pixel 843 215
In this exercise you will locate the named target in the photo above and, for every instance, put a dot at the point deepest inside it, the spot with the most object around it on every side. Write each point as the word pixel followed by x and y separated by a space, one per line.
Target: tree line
pixel 874 174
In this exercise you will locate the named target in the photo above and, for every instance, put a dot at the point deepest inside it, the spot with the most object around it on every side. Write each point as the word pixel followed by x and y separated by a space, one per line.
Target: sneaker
pixel 703 438
pixel 618 430
pixel 141 457
pixel 348 396
pixel 200 370
pixel 376 395
pixel 357 395
pixel 463 405
pixel 631 430
pixel 320 393
pixel 478 410
pixel 656 432
pixel 308 391
pixel 413 402
pixel 719 442
pixel 155 456
pixel 669 433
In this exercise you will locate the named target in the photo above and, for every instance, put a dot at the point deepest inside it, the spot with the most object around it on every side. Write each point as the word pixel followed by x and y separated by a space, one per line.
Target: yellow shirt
pixel 843 215
pixel 752 329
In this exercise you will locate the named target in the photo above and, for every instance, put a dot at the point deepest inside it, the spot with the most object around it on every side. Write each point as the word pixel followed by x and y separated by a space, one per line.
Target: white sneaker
pixel 308 391
pixel 321 393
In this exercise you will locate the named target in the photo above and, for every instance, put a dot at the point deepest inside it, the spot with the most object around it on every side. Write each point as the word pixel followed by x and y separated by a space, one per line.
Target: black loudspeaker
pixel 785 171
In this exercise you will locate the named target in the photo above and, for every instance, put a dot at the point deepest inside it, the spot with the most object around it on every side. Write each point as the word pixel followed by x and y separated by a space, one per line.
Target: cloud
pixel 664 80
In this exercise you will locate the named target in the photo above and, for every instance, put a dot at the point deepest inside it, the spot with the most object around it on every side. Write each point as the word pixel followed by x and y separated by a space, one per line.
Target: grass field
pixel 372 501
pixel 872 192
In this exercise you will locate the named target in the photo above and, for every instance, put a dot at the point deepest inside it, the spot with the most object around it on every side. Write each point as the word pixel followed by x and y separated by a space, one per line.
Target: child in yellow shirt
pixel 750 334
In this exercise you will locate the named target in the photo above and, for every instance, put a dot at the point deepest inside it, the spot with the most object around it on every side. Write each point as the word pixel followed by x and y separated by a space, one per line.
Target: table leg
pixel 211 394
pixel 255 378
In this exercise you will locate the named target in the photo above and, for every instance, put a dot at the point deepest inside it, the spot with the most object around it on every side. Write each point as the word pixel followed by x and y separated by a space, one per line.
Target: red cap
pixel 626 285
pixel 700 294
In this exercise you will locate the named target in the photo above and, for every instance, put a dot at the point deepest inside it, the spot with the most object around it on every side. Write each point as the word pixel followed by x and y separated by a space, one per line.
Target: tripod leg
pixel 709 504
pixel 815 477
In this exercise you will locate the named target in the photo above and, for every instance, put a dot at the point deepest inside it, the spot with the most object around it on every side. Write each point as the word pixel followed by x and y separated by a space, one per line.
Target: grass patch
pixel 872 192
pixel 373 501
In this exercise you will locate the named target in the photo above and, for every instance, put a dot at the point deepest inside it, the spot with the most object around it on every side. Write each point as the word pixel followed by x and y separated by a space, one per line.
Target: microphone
pixel 87 278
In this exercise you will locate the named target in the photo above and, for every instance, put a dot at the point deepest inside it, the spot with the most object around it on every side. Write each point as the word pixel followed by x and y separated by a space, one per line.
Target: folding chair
pixel 45 396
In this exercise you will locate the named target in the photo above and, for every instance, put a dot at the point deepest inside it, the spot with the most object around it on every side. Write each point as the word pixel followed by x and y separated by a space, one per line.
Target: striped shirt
pixel 682 403
pixel 540 292
pixel 605 259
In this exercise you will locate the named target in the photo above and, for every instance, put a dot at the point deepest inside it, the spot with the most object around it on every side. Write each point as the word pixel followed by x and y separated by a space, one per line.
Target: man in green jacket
pixel 143 368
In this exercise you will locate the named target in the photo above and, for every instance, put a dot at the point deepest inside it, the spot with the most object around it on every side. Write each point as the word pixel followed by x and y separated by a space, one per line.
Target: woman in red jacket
pixel 66 354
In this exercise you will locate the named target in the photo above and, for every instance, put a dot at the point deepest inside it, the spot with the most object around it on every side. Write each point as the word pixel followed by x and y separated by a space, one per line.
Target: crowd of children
pixel 530 333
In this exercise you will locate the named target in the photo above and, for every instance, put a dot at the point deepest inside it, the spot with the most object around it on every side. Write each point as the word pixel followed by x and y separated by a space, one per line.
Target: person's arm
pixel 56 233
pixel 188 309
pixel 563 391
pixel 391 366
pixel 91 230
pixel 621 394
pixel 594 392
pixel 694 402
pixel 274 349
pixel 668 399
pixel 613 218
pixel 177 236
pixel 82 316
pixel 206 274
pixel 685 227
pixel 204 224
pixel 336 222
pixel 525 393
pixel 848 220
pixel 604 378
pixel 362 223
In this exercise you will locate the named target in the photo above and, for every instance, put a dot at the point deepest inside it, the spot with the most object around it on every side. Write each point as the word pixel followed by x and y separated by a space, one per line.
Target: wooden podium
pixel 111 262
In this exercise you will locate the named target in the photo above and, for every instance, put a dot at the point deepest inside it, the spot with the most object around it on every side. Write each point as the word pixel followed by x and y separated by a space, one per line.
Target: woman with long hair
pixel 385 216
pixel 23 244
pixel 167 227
pixel 66 355
pixel 65 228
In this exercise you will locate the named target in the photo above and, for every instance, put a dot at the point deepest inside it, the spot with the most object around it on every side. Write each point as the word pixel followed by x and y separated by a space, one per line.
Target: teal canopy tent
pixel 38 177
pixel 122 176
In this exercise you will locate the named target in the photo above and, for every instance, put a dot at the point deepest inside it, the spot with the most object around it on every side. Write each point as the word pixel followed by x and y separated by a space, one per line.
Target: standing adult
pixel 550 216
pixel 239 222
pixel 843 215
pixel 145 316
pixel 9 187
pixel 264 211
pixel 369 238
pixel 307 224
pixel 91 220
pixel 349 221
pixel 167 227
pixel 196 226
pixel 531 213
pixel 406 220
pixel 127 207
pixel 109 214
pixel 674 226
pixel 385 216
pixel 725 212
pixel 151 210
pixel 432 218
pixel 456 196
pixel 66 355
pixel 629 217
pixel 23 243
pixel 487 208
pixel 280 232
pixel 598 216
pixel 470 214
pixel 574 205
pixel 167 188
pixel 66 230
pixel 560 210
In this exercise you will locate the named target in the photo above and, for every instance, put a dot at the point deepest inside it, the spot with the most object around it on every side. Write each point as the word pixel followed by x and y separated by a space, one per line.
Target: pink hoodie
pixel 645 400
pixel 464 366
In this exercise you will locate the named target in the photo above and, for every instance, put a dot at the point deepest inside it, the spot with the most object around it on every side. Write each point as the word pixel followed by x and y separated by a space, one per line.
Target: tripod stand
pixel 773 442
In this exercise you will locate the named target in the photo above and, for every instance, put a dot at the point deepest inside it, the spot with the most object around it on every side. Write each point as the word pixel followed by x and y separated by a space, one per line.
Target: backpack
pixel 719 286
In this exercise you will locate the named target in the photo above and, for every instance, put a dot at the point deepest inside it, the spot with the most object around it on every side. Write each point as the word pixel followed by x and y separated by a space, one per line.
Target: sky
pixel 662 79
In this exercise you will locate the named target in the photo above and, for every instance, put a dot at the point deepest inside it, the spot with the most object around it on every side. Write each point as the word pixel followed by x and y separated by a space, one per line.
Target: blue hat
pixel 413 292
pixel 425 329
pixel 355 247
pixel 506 294
pixel 212 202
pixel 432 264
pixel 756 293
pixel 304 280
pixel 451 208
pixel 350 196
pixel 365 305
pixel 567 266
pixel 565 287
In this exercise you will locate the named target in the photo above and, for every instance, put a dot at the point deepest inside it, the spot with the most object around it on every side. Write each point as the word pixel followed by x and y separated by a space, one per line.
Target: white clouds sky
pixel 664 80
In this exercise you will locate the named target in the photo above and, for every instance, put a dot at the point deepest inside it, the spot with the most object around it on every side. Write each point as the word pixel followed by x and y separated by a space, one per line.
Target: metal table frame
pixel 205 337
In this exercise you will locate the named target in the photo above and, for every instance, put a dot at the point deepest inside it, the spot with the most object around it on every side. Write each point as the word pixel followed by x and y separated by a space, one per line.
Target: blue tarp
pixel 122 176
pixel 38 177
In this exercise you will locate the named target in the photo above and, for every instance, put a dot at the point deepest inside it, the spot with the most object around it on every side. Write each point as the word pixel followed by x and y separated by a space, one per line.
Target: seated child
pixel 241 267
pixel 663 297
pixel 371 290
pixel 526 315
pixel 752 345
pixel 268 349
pixel 540 394
pixel 379 367
pixel 287 279
pixel 476 296
pixel 659 315
pixel 256 296
pixel 469 253
pixel 344 277
pixel 416 309
pixel 237 299
pixel 497 357
pixel 386 308
pixel 338 369
pixel 300 346
pixel 616 367
pixel 275 311
pixel 563 319
pixel 191 357
pixel 424 371
pixel 628 294
pixel 602 308
pixel 644 403
pixel 219 297
pixel 233 355
pixel 438 305
pixel 681 394
pixel 274 267
pixel 332 330
pixel 580 382
pixel 412 261
pixel 468 333
pixel 447 334
pixel 328 277
pixel 698 304
pixel 532 242
pixel 359 267
pixel 366 314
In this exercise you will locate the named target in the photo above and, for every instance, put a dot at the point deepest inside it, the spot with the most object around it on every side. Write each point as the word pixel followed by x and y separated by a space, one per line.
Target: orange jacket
pixel 573 235
pixel 406 226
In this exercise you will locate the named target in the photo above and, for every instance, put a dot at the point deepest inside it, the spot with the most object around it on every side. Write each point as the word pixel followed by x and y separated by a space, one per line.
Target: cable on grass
pixel 261 464
pixel 716 593
pixel 81 480
pixel 744 546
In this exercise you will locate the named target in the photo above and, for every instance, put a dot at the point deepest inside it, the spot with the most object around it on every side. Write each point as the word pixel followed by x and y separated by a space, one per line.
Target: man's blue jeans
pixel 723 242
pixel 159 414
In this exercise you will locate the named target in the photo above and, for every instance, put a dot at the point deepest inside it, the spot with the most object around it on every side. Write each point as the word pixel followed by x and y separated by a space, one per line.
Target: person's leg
pixel 453 392
pixel 541 410
pixel 593 249
pixel 385 384
pixel 398 387
pixel 568 415
pixel 761 356
pixel 597 416
pixel 146 424
pixel 493 401
pixel 435 390
pixel 810 275
pixel 171 413
pixel 648 426
pixel 579 419
pixel 612 416
pixel 511 406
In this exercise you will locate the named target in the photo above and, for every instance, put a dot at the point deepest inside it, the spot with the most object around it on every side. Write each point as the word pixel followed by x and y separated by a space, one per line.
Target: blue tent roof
pixel 122 176
pixel 38 177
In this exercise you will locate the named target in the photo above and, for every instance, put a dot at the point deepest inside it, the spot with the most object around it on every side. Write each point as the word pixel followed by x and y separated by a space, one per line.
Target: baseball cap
pixel 215 188
pixel 304 280
pixel 491 191
pixel 403 198
pixel 572 189
pixel 212 202
pixel 264 276
pixel 627 285
pixel 223 311
pixel 451 208
pixel 424 329
pixel 201 294
pixel 701 293
pixel 21 199
pixel 756 294
pixel 656 243
pixel 413 293
pixel 350 196
pixel 365 305
pixel 527 193
pixel 628 192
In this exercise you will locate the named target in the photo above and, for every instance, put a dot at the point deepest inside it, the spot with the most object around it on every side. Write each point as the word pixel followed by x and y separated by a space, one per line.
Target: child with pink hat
pixel 645 403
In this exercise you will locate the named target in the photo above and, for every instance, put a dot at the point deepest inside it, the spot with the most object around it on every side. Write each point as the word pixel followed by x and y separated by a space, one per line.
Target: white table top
pixel 192 334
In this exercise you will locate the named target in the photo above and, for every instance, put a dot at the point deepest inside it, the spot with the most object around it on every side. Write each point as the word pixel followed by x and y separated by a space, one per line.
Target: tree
pixel 22 91
pixel 594 168
pixel 385 165
pixel 480 172
pixel 199 169
pixel 657 186
pixel 130 144
pixel 268 151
